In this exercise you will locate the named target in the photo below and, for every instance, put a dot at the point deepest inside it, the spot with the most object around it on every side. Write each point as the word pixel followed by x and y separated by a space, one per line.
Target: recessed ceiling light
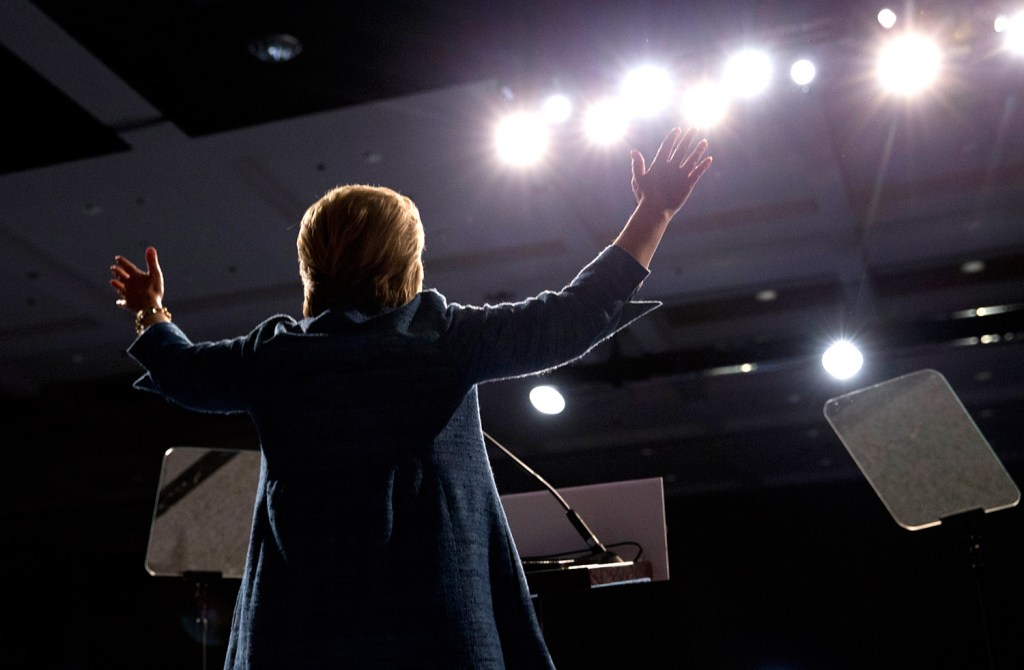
pixel 742 368
pixel 972 267
pixel 988 310
pixel 276 48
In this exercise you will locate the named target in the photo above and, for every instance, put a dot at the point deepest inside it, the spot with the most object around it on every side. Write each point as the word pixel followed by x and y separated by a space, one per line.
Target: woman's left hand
pixel 138 289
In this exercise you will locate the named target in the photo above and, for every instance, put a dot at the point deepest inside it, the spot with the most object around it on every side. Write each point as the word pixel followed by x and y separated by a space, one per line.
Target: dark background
pixel 803 576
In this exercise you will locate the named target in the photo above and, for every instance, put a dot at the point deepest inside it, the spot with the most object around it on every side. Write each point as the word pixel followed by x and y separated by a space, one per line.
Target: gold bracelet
pixel 149 311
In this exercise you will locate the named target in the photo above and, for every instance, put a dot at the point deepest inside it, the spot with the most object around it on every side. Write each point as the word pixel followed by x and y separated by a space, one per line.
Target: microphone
pixel 598 552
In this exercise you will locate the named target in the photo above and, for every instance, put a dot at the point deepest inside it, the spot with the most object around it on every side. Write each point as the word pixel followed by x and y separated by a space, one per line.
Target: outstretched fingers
pixel 639 169
pixel 125 267
pixel 668 147
pixel 152 262
pixel 125 276
pixel 695 156
pixel 698 171
pixel 638 164
pixel 119 275
pixel 682 143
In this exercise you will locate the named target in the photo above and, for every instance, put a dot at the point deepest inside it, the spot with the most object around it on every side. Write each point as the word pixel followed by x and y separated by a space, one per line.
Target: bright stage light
pixel 802 72
pixel 547 399
pixel 606 121
pixel 522 139
pixel 646 91
pixel 887 18
pixel 557 108
pixel 909 64
pixel 842 360
pixel 748 73
pixel 1013 32
pixel 704 105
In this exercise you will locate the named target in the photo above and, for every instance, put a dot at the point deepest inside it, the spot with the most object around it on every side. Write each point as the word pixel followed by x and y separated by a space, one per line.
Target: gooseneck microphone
pixel 598 552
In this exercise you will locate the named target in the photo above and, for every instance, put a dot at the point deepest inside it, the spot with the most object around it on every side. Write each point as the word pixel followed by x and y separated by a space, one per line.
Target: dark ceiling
pixel 136 123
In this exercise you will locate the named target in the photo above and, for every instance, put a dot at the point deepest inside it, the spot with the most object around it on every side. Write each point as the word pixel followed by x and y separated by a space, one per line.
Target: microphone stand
pixel 598 552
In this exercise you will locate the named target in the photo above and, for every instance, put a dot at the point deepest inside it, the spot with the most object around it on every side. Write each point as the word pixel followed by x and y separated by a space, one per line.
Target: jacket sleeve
pixel 204 377
pixel 552 328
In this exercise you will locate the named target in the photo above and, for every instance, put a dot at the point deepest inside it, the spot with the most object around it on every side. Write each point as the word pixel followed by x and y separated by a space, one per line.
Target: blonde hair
pixel 360 245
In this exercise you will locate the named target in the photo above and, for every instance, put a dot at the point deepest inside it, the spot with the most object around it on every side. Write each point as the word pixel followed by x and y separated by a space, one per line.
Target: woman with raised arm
pixel 378 539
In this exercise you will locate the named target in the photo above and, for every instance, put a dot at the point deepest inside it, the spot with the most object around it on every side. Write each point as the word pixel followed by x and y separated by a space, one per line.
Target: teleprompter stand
pixel 202 520
pixel 926 459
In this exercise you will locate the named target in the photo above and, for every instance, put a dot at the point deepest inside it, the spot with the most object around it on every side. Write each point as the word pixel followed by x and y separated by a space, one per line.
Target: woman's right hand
pixel 661 190
pixel 668 182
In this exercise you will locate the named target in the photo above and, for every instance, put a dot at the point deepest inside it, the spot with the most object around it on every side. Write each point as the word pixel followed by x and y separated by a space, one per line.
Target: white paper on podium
pixel 626 511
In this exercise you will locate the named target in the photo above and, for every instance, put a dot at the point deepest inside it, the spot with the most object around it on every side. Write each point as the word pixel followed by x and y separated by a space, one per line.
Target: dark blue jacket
pixel 378 538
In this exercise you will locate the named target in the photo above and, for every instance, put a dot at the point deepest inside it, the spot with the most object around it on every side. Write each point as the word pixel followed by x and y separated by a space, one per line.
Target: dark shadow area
pixel 801 577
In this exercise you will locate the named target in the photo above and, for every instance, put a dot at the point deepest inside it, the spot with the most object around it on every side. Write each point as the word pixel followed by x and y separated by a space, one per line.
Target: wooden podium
pixel 202 517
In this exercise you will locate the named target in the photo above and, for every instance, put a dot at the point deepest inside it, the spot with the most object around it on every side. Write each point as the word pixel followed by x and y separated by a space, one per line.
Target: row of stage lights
pixel 907 64
pixel 842 360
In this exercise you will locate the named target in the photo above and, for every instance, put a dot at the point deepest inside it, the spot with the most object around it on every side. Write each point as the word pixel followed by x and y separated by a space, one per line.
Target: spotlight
pixel 646 91
pixel 887 18
pixel 557 108
pixel 909 64
pixel 748 73
pixel 704 105
pixel 802 72
pixel 522 139
pixel 1013 32
pixel 606 121
pixel 547 399
pixel 842 360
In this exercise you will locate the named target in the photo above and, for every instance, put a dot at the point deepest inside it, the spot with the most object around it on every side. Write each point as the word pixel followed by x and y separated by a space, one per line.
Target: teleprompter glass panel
pixel 916 444
pixel 203 512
